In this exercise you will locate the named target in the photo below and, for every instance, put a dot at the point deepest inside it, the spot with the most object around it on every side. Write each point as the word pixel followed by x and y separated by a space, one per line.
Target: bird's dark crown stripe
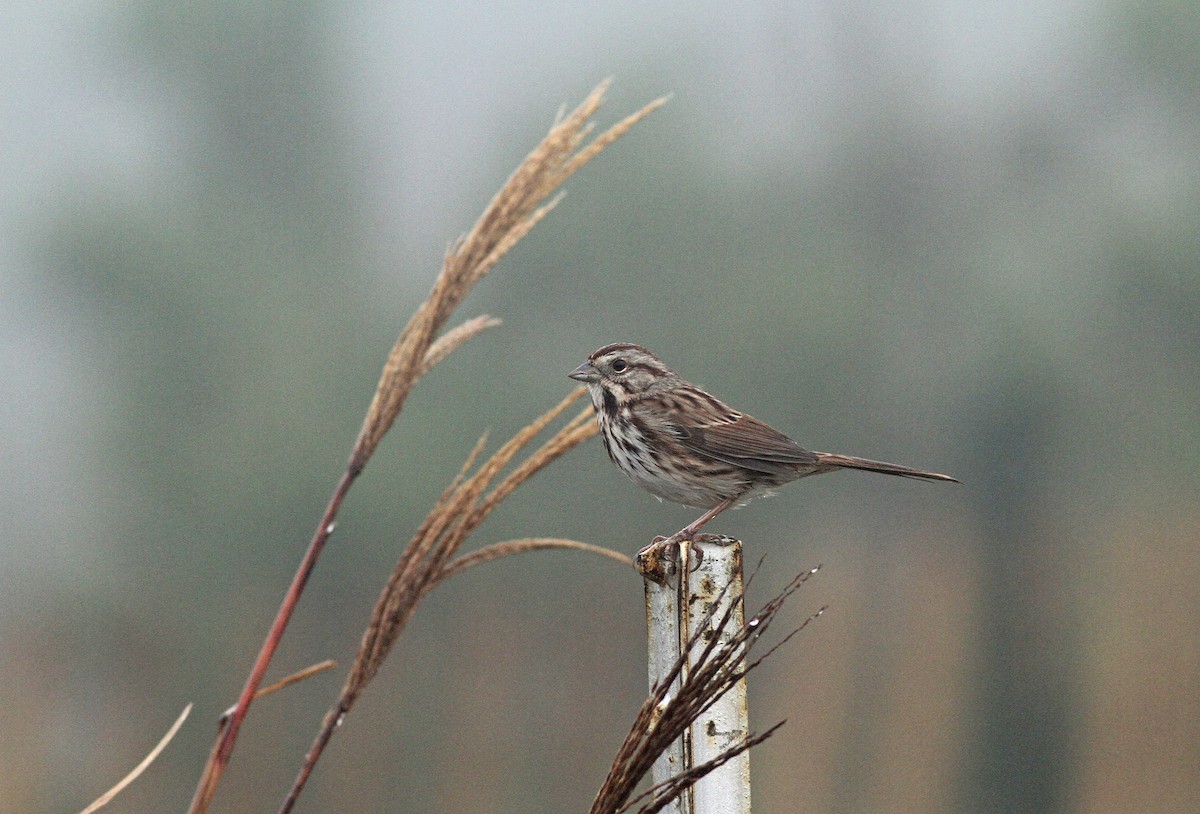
pixel 618 346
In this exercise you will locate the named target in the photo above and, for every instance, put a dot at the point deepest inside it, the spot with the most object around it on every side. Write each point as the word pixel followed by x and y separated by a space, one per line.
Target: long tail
pixel 850 462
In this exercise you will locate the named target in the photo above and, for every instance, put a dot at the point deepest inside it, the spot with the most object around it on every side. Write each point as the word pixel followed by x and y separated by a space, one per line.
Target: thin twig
pixel 299 675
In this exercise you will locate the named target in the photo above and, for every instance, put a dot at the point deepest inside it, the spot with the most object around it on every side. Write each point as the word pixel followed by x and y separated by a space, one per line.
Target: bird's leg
pixel 688 532
pixel 685 534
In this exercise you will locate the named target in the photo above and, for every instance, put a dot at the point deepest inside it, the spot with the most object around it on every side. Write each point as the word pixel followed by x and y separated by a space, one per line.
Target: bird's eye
pixel 619 365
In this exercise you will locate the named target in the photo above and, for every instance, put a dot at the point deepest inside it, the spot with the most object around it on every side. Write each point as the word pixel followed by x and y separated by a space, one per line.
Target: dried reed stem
pixel 519 205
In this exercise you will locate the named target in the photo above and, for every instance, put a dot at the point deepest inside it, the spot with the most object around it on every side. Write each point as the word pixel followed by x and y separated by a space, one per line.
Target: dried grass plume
pixel 525 198
pixel 519 205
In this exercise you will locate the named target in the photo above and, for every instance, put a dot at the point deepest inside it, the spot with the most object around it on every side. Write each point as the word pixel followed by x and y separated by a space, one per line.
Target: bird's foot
pixel 659 560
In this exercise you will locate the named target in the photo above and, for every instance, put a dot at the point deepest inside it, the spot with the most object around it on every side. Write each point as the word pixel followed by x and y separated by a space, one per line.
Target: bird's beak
pixel 585 373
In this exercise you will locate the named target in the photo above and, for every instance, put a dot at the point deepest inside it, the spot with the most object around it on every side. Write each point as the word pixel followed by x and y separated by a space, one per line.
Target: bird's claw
pixel 659 560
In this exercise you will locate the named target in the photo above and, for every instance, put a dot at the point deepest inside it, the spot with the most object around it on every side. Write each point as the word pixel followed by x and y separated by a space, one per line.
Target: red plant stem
pixel 223 748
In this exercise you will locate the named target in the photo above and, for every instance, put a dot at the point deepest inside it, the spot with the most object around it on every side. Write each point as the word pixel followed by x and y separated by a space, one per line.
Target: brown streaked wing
pixel 750 443
pixel 711 428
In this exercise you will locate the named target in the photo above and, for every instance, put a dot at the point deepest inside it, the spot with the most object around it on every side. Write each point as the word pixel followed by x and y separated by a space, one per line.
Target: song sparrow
pixel 683 445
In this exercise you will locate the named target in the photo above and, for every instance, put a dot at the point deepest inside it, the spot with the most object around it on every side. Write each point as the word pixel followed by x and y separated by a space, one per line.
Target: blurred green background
pixel 964 237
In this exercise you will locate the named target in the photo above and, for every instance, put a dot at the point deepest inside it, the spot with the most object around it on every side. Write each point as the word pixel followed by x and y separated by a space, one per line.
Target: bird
pixel 686 446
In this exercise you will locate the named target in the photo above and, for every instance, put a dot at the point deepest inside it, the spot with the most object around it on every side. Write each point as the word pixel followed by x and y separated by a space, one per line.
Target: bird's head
pixel 618 372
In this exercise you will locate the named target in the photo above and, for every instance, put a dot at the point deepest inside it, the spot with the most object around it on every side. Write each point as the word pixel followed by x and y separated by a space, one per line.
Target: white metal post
pixel 679 596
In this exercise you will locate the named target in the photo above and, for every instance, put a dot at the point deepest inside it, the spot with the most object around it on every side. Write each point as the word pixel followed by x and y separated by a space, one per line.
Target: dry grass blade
pixel 107 797
pixel 661 720
pixel 508 548
pixel 454 338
